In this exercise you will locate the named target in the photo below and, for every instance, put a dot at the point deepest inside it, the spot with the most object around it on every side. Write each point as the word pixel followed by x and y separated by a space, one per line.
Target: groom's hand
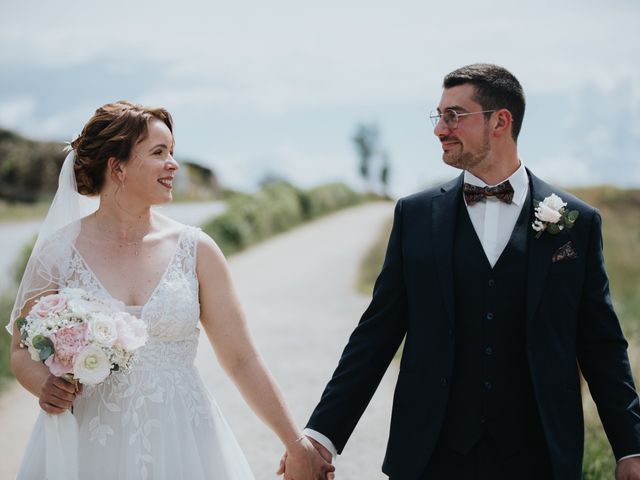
pixel 322 468
pixel 628 469
pixel 326 454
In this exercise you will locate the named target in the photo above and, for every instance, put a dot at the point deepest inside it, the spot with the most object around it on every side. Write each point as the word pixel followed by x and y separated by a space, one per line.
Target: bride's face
pixel 148 175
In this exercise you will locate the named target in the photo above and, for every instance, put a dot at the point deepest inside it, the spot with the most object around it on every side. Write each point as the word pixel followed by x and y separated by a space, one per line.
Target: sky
pixel 279 87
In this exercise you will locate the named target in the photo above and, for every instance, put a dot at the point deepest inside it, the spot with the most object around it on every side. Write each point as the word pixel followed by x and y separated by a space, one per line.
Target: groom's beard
pixel 465 160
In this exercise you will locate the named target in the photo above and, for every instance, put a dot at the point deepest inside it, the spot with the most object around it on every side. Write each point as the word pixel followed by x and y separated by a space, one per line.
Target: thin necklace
pixel 135 244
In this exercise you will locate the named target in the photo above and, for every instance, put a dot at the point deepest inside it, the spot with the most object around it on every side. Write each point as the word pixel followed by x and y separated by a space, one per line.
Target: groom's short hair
pixel 495 87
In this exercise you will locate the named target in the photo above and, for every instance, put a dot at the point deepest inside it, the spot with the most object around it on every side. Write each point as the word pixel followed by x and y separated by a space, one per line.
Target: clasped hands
pixel 306 459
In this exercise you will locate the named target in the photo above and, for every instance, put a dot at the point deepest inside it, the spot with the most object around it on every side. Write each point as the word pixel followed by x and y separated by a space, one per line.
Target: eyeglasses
pixel 451 117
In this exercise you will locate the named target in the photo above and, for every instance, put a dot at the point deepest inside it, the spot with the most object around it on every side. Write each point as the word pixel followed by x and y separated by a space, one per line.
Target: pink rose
pixel 49 305
pixel 132 332
pixel 67 342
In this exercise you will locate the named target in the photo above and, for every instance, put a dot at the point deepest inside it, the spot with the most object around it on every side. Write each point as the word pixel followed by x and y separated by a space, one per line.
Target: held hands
pixel 628 469
pixel 57 394
pixel 306 459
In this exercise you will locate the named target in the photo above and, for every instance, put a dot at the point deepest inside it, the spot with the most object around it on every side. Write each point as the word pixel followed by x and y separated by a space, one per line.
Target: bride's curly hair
pixel 111 132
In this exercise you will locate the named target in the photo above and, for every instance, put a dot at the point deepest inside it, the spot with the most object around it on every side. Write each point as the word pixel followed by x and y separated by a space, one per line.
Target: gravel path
pixel 299 295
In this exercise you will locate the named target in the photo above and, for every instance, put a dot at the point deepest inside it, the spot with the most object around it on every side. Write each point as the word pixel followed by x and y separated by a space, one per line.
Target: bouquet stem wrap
pixel 61 444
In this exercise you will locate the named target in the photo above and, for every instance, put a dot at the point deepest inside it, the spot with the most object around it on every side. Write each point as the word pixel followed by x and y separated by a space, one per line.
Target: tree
pixel 370 154
pixel 385 171
pixel 366 142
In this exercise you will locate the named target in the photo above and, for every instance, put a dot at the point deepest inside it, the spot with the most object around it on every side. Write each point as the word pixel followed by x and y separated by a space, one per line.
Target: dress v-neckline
pixel 157 286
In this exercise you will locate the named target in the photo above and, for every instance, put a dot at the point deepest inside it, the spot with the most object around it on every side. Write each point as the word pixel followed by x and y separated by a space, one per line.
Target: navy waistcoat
pixel 491 389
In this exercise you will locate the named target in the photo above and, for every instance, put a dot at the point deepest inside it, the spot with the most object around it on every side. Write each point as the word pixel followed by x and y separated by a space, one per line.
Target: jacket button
pixel 488 350
pixel 489 316
pixel 492 282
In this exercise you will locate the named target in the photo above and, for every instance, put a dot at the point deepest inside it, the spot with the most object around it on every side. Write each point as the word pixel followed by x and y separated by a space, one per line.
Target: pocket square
pixel 565 252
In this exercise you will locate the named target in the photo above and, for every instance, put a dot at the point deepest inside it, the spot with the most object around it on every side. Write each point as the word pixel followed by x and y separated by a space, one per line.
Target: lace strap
pixel 191 248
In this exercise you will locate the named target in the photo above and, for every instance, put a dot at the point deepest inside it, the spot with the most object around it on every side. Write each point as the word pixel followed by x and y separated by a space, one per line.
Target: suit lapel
pixel 540 249
pixel 443 214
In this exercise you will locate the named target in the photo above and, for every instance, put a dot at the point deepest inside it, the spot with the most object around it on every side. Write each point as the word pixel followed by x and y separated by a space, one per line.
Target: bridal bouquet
pixel 81 337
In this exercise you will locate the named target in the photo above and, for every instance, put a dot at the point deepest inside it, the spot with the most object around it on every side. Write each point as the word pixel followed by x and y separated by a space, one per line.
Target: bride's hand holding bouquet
pixel 80 338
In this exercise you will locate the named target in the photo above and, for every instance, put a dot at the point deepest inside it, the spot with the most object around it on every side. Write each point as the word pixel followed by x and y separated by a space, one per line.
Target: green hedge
pixel 274 209
pixel 6 304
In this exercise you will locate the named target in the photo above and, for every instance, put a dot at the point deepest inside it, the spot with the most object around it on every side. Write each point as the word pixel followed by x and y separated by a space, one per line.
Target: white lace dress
pixel 156 421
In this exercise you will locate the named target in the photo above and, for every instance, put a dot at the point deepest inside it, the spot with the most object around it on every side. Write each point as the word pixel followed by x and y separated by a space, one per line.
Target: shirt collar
pixel 519 181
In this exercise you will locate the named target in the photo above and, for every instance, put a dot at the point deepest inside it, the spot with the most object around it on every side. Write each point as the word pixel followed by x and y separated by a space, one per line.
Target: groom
pixel 497 321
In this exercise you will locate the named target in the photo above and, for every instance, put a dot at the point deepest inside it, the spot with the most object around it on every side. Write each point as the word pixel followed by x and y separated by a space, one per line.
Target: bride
pixel 156 421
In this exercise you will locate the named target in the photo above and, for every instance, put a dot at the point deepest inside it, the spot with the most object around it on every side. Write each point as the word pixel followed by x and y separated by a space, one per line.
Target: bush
pixel 28 169
pixel 598 463
pixel 6 304
pixel 328 198
pixel 276 208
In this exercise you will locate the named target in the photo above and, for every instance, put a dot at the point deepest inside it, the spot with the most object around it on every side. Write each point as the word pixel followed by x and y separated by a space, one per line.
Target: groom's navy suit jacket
pixel 570 325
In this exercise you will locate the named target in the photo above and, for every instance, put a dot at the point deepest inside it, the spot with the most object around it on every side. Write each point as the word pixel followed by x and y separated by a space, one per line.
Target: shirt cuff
pixel 620 459
pixel 322 440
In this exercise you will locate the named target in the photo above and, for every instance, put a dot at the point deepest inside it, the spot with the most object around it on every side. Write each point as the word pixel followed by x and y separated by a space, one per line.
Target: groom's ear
pixel 503 123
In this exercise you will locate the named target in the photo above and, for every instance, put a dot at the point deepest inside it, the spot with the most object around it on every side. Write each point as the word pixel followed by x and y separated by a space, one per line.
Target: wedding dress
pixel 156 421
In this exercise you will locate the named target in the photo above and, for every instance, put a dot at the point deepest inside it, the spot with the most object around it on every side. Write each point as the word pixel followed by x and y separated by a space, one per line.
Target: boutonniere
pixel 552 215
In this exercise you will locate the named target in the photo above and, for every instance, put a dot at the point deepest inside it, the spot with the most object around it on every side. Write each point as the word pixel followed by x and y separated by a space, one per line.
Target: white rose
pixel 554 202
pixel 91 366
pixel 103 329
pixel 547 214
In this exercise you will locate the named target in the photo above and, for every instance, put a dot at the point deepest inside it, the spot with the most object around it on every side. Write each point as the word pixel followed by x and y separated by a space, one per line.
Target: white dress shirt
pixel 493 221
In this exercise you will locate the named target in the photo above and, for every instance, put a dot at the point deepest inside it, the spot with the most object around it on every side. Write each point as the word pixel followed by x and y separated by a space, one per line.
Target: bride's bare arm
pixel 224 322
pixel 55 394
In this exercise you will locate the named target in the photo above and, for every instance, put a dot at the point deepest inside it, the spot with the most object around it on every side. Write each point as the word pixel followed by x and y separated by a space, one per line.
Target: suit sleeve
pixel 369 351
pixel 602 354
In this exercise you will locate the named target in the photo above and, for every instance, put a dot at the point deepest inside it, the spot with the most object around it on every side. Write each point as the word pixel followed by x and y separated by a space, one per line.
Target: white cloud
pixel 14 111
pixel 247 75
pixel 302 167
pixel 335 50
pixel 564 170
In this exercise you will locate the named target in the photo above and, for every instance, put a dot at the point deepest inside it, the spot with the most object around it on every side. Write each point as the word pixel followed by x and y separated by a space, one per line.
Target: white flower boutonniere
pixel 552 216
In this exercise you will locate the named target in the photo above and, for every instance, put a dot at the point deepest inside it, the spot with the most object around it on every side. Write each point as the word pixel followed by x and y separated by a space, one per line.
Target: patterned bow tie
pixel 473 194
